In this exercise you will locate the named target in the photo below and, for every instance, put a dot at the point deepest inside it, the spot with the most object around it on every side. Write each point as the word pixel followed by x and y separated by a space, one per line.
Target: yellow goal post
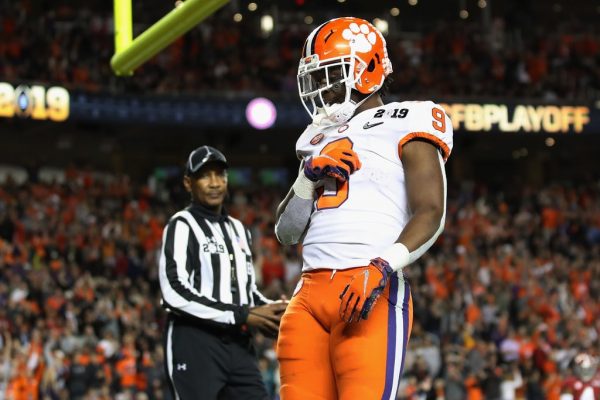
pixel 131 53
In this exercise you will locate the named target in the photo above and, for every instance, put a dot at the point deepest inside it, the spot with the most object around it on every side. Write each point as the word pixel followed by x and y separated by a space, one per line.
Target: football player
pixel 369 200
pixel 585 384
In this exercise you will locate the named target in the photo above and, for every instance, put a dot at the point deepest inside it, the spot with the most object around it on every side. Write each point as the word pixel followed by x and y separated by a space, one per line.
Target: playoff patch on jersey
pixel 317 139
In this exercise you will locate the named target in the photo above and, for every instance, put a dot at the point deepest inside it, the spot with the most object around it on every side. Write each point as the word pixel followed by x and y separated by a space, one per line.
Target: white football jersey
pixel 353 222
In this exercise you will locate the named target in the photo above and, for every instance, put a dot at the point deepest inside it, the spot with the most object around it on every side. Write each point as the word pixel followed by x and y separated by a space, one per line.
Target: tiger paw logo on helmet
pixel 361 37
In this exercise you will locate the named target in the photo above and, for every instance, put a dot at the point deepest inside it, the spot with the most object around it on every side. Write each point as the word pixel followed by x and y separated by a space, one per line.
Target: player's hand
pixel 266 318
pixel 361 293
pixel 337 162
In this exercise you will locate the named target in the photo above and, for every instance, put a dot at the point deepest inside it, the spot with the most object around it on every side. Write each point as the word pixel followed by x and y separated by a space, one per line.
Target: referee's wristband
pixel 304 187
pixel 241 315
pixel 397 255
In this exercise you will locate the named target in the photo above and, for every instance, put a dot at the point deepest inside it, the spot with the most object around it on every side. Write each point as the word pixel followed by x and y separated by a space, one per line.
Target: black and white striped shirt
pixel 206 269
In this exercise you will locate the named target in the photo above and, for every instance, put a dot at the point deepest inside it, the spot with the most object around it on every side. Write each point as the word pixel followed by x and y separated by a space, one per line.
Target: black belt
pixel 227 333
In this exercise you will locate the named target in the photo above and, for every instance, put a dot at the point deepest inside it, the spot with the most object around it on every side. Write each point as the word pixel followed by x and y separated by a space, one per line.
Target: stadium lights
pixel 261 113
pixel 520 153
pixel 482 3
pixel 237 17
pixel 308 20
pixel 266 24
pixel 382 25
pixel 395 11
pixel 252 6
pixel 463 13
pixel 413 2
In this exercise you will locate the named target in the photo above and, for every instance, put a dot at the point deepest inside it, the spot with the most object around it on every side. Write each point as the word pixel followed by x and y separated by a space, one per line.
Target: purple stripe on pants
pixel 391 345
pixel 405 317
pixel 391 338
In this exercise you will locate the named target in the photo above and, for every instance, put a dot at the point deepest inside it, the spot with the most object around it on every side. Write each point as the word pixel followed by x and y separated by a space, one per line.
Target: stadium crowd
pixel 71 45
pixel 503 301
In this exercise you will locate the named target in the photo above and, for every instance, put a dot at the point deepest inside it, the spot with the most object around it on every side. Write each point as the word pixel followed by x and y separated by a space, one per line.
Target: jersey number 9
pixel 326 199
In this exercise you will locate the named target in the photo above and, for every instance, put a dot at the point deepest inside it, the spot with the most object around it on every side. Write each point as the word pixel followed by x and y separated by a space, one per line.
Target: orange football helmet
pixel 343 53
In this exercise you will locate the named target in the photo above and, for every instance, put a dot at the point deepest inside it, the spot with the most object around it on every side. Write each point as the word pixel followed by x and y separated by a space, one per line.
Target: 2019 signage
pixel 35 102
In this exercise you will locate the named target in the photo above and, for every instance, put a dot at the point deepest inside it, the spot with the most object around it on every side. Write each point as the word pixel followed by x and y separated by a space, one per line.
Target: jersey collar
pixel 199 210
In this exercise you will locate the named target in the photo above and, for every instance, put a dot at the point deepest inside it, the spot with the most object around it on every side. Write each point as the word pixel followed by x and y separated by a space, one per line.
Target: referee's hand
pixel 266 318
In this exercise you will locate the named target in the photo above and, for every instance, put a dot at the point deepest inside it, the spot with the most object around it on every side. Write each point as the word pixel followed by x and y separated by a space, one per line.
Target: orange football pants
pixel 321 357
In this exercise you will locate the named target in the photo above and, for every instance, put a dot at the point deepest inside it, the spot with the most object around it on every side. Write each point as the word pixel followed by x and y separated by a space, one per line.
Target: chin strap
pixel 337 113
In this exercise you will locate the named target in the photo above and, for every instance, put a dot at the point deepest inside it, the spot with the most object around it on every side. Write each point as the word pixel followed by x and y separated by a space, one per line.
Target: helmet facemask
pixel 325 87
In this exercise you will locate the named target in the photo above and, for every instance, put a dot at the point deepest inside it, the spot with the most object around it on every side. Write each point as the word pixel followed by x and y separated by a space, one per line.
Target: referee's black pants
pixel 207 363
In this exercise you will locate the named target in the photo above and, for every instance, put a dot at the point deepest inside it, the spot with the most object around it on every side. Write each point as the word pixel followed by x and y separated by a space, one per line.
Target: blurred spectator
pixel 511 381
pixel 73 46
pixel 505 299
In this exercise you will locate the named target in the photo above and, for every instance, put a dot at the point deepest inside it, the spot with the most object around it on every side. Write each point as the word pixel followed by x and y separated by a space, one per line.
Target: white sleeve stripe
pixel 239 232
pixel 180 256
pixel 261 297
pixel 206 271
pixel 244 235
pixel 182 234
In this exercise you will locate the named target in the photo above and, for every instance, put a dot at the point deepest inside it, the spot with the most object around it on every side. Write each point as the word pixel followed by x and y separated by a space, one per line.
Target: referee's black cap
pixel 202 156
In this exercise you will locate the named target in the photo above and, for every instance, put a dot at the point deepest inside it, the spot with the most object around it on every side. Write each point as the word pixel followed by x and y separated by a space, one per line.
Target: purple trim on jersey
pixel 391 338
pixel 405 317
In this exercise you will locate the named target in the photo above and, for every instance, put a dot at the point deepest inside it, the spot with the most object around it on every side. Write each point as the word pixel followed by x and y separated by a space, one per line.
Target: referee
pixel 208 288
